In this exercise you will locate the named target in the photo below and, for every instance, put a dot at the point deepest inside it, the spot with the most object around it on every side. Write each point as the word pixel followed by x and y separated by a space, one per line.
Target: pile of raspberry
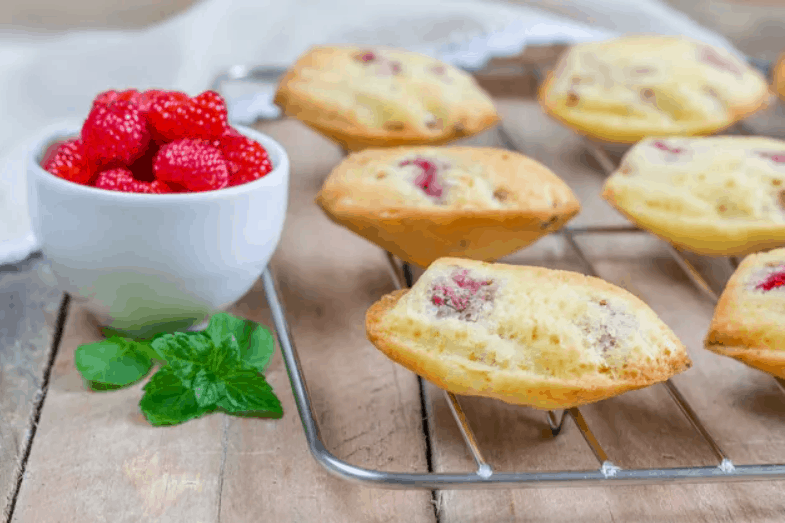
pixel 158 142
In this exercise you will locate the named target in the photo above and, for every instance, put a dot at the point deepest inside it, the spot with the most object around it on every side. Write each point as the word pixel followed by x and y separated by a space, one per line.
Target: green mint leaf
pixel 191 346
pixel 261 349
pixel 167 401
pixel 223 324
pixel 226 358
pixel 255 341
pixel 97 386
pixel 114 362
pixel 146 348
pixel 185 371
pixel 206 388
pixel 247 393
pixel 145 343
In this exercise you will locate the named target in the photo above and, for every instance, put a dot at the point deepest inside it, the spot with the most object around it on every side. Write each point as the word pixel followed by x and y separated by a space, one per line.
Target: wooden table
pixel 70 455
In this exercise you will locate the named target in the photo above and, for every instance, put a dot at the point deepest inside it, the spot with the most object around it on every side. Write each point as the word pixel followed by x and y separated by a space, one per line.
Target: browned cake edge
pixel 422 236
pixel 730 335
pixel 334 124
pixel 541 393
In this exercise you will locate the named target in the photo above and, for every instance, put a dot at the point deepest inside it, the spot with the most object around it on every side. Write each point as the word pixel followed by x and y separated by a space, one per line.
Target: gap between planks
pixel 62 316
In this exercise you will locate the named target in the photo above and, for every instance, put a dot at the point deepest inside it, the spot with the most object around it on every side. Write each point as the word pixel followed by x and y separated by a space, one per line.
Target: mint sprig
pixel 113 363
pixel 201 372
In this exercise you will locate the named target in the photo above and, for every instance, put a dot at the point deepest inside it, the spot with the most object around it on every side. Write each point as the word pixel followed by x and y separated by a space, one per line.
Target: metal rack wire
pixel 484 476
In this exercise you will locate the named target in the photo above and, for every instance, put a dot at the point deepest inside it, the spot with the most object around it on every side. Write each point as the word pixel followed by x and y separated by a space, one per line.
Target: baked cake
pixel 749 318
pixel 778 72
pixel 423 203
pixel 716 196
pixel 628 88
pixel 525 335
pixel 380 97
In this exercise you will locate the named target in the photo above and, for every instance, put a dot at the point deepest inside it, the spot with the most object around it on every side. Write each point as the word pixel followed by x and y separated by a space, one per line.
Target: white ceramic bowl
pixel 152 263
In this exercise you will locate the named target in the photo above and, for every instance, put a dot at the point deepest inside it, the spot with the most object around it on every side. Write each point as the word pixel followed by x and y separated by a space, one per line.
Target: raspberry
pixel 121 179
pixel 246 159
pixel 712 57
pixel 774 157
pixel 427 180
pixel 467 301
pixel 662 147
pixel 114 133
pixel 365 57
pixel 145 100
pixel 773 281
pixel 70 163
pixel 142 168
pixel 193 164
pixel 111 96
pixel 174 116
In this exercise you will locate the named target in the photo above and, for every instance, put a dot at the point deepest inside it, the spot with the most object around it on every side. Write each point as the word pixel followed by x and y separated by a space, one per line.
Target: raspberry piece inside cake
pixel 773 281
pixel 662 146
pixel 462 296
pixel 776 157
pixel 607 327
pixel 365 57
pixel 428 179
pixel 709 56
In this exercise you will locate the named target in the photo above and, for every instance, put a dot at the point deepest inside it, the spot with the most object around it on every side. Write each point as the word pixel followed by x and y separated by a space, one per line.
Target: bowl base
pixel 150 331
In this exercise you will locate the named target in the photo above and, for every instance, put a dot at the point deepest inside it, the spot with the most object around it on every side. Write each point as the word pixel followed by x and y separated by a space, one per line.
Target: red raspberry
pixel 69 162
pixel 143 166
pixel 146 99
pixel 246 159
pixel 212 114
pixel 111 96
pixel 114 134
pixel 121 179
pixel 192 164
pixel 174 116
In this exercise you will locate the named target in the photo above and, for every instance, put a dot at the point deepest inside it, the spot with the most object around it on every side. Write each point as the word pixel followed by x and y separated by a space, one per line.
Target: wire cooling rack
pixel 484 476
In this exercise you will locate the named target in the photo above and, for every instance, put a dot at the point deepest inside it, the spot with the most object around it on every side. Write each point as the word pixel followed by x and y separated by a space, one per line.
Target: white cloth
pixel 45 78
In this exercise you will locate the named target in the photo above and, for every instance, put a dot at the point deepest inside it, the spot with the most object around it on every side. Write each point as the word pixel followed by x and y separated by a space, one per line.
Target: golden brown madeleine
pixel 625 89
pixel 749 320
pixel 716 196
pixel 423 203
pixel 524 335
pixel 778 72
pixel 382 97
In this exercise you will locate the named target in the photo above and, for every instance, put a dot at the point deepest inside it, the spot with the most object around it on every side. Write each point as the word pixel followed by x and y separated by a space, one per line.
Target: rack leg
pixel 607 466
pixel 556 422
pixel 483 469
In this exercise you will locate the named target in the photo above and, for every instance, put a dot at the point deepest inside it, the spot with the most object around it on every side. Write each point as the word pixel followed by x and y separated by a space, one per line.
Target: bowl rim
pixel 72 128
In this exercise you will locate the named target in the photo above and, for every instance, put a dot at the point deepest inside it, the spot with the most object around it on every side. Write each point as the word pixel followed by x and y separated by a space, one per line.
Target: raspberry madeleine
pixel 525 335
pixel 716 196
pixel 779 76
pixel 382 97
pixel 749 317
pixel 424 203
pixel 625 89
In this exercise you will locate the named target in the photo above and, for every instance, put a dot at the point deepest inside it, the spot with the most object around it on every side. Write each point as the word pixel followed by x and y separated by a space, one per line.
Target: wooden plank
pixel 29 305
pixel 368 408
pixel 95 457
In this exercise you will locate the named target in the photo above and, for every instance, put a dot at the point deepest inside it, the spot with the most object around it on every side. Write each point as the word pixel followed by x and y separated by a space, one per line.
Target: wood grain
pixel 29 305
pixel 368 408
pixel 95 457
